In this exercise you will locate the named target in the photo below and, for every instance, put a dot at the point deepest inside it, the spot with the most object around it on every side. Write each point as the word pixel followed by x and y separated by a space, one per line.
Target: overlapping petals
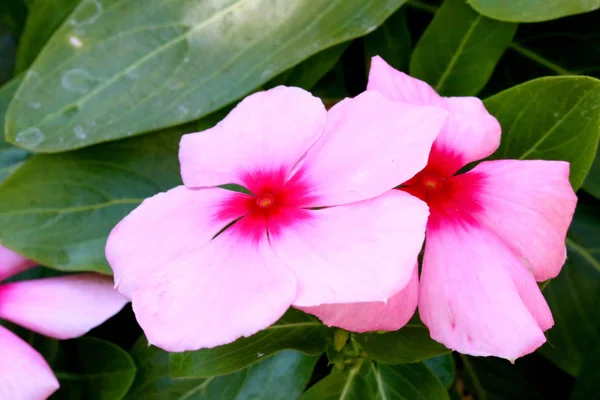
pixel 320 225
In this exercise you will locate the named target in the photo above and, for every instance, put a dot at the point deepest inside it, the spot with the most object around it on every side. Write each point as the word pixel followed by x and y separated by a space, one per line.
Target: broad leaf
pixel 175 62
pixel 295 330
pixel 458 61
pixel 280 377
pixel 391 41
pixel 59 209
pixel 552 118
pixel 10 156
pixel 575 294
pixel 532 10
pixel 588 380
pixel 45 16
pixel 352 383
pixel 94 370
pixel 411 343
pixel 592 182
pixel 406 381
pixel 443 367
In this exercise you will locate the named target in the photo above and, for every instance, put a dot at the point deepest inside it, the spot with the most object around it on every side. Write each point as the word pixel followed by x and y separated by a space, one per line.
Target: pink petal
pixel 214 294
pixel 373 316
pixel 470 132
pixel 164 226
pixel 24 374
pixel 268 131
pixel 476 296
pixel 12 263
pixel 63 307
pixel 370 145
pixel 529 205
pixel 356 253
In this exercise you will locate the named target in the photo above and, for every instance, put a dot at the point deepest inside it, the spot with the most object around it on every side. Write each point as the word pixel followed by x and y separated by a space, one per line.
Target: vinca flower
pixel 63 307
pixel 316 221
pixel 492 233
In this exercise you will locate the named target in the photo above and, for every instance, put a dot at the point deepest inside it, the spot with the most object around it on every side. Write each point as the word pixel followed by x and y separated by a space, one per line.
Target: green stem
pixel 539 59
pixel 469 368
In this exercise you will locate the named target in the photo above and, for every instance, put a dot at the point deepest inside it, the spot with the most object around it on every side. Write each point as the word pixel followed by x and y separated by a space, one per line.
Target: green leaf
pixel 532 10
pixel 351 383
pixel 280 377
pixel 391 41
pixel 94 370
pixel 458 61
pixel 443 368
pixel 592 182
pixel 295 330
pixel 575 294
pixel 59 209
pixel 587 385
pixel 553 118
pixel 411 343
pixel 10 156
pixel 111 71
pixel 45 16
pixel 407 381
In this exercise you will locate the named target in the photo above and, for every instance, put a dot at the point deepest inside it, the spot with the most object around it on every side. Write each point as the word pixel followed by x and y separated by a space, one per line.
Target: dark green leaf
pixel 459 49
pixel 443 367
pixel 95 370
pixel 391 41
pixel 588 382
pixel 8 50
pixel 10 156
pixel 532 10
pixel 111 71
pixel 280 377
pixel 45 16
pixel 352 383
pixel 592 182
pixel 575 294
pixel 407 382
pixel 554 118
pixel 59 209
pixel 411 343
pixel 295 330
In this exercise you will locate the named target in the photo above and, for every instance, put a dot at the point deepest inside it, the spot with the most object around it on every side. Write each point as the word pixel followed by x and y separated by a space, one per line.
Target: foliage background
pixel 95 95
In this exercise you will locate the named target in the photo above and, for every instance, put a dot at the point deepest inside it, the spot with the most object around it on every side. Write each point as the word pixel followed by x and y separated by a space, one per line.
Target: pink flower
pixel 63 308
pixel 492 232
pixel 191 289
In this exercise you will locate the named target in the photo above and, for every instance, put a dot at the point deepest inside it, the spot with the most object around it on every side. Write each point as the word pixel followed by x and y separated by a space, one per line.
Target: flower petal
pixel 163 227
pixel 214 294
pixel 470 132
pixel 476 296
pixel 63 307
pixel 266 132
pixel 24 374
pixel 370 145
pixel 372 316
pixel 12 263
pixel 529 205
pixel 356 253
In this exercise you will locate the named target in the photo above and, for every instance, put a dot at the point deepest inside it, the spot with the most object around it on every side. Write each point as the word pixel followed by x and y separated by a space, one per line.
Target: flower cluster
pixel 287 204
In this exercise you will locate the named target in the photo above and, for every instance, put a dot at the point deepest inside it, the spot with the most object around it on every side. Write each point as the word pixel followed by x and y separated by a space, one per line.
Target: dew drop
pixel 79 132
pixel 259 354
pixel 34 104
pixel 182 110
pixel 30 137
pixel 75 42
pixel 87 13
pixel 77 80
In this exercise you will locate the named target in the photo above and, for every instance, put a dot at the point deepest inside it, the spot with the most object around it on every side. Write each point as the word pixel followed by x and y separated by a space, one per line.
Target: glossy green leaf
pixel 280 377
pixel 554 118
pixel 10 156
pixel 94 370
pixel 443 367
pixel 45 16
pixel 411 343
pixel 391 41
pixel 295 330
pixel 111 71
pixel 588 382
pixel 575 294
pixel 532 10
pixel 59 209
pixel 351 383
pixel 407 382
pixel 459 49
